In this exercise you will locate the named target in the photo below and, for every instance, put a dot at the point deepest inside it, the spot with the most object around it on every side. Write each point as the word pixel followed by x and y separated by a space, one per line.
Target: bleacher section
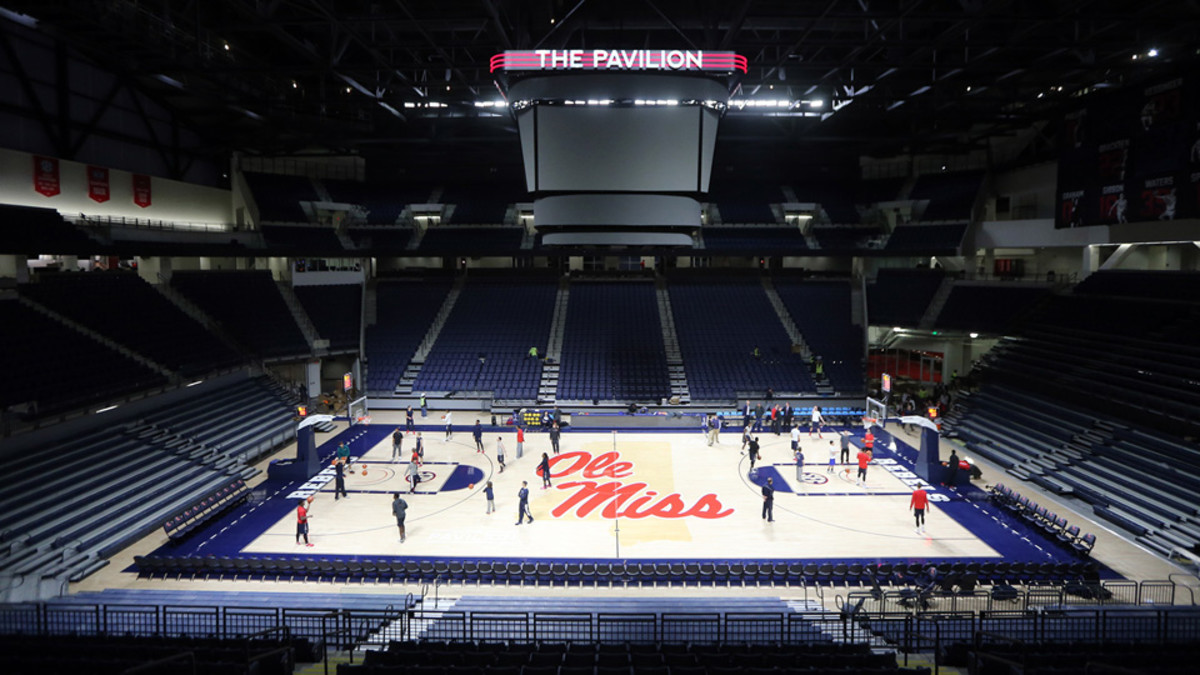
pixel 481 203
pixel 278 197
pixel 126 309
pixel 899 297
pixel 926 239
pixel 612 345
pixel 381 240
pixel 745 202
pixel 870 192
pixel 26 230
pixel 1176 286
pixel 950 195
pixel 834 197
pixel 472 240
pixel 384 203
pixel 249 307
pixel 302 240
pixel 50 368
pixel 496 320
pixel 99 491
pixel 117 654
pixel 843 238
pixel 1140 479
pixel 989 308
pixel 720 322
pixel 754 240
pixel 821 312
pixel 336 311
pixel 404 311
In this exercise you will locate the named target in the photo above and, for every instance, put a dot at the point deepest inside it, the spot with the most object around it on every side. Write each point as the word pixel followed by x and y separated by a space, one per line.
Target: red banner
pixel 97 179
pixel 45 176
pixel 141 190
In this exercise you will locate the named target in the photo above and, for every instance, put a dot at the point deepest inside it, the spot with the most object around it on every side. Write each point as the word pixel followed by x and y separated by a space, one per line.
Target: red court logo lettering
pixel 616 499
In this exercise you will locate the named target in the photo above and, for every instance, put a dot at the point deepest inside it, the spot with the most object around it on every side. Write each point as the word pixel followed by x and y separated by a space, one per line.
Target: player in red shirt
pixel 869 442
pixel 302 523
pixel 864 458
pixel 918 504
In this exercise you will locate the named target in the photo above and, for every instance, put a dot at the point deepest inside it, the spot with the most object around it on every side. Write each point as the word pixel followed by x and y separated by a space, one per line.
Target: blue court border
pixel 1015 540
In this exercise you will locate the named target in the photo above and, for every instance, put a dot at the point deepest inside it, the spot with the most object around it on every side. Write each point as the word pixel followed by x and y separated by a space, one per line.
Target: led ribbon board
pixel 618 60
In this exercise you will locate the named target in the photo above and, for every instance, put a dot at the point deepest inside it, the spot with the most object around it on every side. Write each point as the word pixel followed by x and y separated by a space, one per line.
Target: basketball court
pixel 657 495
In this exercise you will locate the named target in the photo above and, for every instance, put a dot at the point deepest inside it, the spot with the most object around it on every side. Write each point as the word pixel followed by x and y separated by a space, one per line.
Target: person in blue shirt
pixel 478 434
pixel 409 426
pixel 491 497
pixel 768 493
pixel 523 504
pixel 544 469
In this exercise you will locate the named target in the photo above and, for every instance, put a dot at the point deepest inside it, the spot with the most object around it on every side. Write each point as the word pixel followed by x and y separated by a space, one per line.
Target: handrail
pixel 1187 587
pixel 189 657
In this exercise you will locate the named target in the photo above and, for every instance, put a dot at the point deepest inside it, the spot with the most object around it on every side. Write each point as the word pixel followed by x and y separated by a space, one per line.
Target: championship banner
pixel 141 190
pixel 45 176
pixel 97 179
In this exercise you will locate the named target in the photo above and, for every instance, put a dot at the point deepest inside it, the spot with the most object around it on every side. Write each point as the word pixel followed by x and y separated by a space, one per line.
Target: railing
pixel 1109 593
pixel 345 628
pixel 84 220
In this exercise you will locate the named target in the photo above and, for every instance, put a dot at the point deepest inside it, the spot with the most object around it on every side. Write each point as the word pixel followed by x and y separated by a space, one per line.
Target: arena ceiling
pixel 401 76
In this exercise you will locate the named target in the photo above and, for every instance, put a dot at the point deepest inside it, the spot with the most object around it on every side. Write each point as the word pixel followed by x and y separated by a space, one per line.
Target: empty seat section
pixel 404 311
pixel 382 203
pixel 126 309
pixel 612 344
pixel 472 240
pixel 249 306
pixel 381 240
pixel 278 197
pixel 950 195
pixel 848 238
pixel 483 203
pixel 748 202
pixel 29 230
pixel 720 322
pixel 929 239
pixel 772 240
pixel 486 339
pixel 302 239
pixel 899 297
pixel 51 368
pixel 821 312
pixel 336 311
pixel 988 309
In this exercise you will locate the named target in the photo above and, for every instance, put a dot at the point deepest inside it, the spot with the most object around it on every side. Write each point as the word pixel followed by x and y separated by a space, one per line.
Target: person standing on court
pixel 716 428
pixel 400 510
pixel 746 413
pixel 397 442
pixel 490 493
pixel 768 493
pixel 845 447
pixel 788 411
pixel 918 504
pixel 799 464
pixel 816 423
pixel 864 458
pixel 339 480
pixel 833 451
pixel 424 407
pixel 413 473
pixel 302 522
pixel 478 434
pixel 523 503
pixel 520 441
pixel 795 434
pixel 449 425
pixel 555 434
pixel 500 452
pixel 759 411
pixel 409 425
pixel 343 454
pixel 753 452
pixel 544 469
pixel 745 438
pixel 420 449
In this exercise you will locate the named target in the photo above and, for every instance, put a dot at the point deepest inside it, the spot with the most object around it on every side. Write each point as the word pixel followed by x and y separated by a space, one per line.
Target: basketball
pixel 364 469
pixel 310 498
pixel 471 486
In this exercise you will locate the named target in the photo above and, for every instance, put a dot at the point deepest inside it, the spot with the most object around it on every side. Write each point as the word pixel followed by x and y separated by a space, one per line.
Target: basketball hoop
pixel 869 422
pixel 364 419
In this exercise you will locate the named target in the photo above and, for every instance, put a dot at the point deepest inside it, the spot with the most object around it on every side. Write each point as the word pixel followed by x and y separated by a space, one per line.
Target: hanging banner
pixel 45 176
pixel 141 190
pixel 97 178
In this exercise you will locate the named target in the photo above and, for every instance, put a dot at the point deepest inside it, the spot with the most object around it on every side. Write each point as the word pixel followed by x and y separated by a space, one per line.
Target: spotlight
pixel 974 335
pixel 1152 53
